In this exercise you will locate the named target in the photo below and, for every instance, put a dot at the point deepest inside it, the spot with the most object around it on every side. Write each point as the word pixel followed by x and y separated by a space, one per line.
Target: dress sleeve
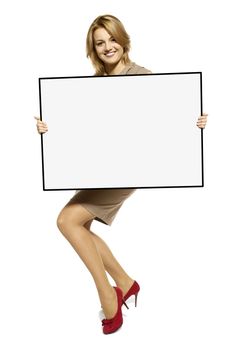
pixel 143 70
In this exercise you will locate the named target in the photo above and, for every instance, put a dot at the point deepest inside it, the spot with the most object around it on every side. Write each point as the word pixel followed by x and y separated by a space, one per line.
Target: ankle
pixel 125 284
pixel 109 305
pixel 107 293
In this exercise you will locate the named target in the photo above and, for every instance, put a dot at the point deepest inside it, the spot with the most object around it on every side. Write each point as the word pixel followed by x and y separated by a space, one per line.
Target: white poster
pixel 131 131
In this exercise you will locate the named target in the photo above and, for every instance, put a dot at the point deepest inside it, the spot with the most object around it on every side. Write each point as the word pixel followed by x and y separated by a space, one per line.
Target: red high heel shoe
pixel 113 324
pixel 134 290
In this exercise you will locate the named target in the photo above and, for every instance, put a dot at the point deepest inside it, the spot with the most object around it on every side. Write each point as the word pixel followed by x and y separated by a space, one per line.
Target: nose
pixel 108 46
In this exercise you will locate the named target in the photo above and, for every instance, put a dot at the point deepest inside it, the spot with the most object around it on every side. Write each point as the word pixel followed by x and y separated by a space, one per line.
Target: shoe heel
pixel 125 304
pixel 134 290
pixel 136 299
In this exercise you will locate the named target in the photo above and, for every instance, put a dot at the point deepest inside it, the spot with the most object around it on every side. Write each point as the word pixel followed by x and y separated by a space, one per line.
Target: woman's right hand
pixel 41 126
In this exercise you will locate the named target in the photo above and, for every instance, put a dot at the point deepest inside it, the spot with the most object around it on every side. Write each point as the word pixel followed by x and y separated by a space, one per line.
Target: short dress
pixel 105 203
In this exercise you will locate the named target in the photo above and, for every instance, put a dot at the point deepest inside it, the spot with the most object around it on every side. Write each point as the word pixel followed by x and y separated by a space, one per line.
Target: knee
pixel 68 218
pixel 73 216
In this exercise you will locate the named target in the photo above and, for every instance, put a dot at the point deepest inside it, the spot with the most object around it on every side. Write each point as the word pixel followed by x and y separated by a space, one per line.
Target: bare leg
pixel 112 266
pixel 71 223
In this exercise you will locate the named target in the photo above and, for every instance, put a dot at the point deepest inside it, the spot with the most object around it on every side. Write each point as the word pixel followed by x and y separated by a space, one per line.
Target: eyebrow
pixel 111 37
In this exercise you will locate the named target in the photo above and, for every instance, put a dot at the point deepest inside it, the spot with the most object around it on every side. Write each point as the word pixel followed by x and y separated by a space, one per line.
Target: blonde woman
pixel 107 46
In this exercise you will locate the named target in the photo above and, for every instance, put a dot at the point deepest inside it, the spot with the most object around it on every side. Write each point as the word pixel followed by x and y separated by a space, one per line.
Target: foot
pixel 111 325
pixel 110 304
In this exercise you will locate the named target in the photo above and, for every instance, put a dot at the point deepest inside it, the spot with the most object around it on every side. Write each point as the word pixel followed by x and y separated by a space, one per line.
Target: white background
pixel 178 243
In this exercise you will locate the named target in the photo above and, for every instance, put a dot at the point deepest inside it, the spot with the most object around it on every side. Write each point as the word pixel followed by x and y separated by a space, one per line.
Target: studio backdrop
pixel 128 131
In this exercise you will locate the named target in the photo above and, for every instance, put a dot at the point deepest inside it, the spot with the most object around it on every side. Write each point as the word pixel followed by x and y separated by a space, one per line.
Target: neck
pixel 115 69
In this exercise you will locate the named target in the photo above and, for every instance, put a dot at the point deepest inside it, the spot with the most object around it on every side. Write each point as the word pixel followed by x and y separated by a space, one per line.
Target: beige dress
pixel 105 203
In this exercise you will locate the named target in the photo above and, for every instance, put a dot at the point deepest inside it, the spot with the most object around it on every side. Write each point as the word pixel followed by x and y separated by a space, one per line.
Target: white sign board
pixel 128 131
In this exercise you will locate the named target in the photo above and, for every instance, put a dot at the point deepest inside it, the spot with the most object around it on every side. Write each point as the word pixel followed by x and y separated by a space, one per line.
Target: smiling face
pixel 107 49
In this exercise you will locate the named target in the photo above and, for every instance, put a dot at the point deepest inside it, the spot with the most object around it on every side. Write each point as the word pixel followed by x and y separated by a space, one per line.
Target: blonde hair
pixel 115 28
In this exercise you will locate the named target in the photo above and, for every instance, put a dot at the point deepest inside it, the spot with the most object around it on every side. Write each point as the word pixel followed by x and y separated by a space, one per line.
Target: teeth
pixel 110 54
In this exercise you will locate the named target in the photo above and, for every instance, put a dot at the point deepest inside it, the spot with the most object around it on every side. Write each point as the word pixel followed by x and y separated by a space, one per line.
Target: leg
pixel 71 221
pixel 112 266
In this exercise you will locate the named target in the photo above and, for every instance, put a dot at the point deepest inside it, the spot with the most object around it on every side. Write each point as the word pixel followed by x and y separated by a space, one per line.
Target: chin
pixel 114 61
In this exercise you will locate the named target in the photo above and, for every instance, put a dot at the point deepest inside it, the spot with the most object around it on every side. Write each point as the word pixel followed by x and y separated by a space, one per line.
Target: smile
pixel 110 54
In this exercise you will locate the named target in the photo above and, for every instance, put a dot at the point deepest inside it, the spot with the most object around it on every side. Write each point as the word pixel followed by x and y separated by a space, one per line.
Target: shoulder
pixel 136 69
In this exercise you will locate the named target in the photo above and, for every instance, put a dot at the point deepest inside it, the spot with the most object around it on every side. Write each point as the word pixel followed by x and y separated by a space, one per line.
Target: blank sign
pixel 128 131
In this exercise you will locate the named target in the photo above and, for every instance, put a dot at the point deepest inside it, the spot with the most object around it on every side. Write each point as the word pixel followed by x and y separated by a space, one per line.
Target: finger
pixel 201 125
pixel 202 120
pixel 41 124
pixel 203 116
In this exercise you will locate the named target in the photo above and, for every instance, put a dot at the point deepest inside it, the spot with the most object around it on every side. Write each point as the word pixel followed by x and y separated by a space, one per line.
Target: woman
pixel 107 46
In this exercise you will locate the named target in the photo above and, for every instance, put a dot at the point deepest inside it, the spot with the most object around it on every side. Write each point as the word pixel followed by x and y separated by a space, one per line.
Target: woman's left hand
pixel 202 120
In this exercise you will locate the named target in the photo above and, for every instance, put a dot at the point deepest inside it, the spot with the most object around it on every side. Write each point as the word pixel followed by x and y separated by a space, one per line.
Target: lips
pixel 110 54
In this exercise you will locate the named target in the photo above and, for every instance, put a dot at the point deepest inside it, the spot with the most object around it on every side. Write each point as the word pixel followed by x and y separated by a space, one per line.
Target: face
pixel 108 50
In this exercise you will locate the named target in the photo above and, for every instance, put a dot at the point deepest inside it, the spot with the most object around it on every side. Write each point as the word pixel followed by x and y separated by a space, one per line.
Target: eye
pixel 113 39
